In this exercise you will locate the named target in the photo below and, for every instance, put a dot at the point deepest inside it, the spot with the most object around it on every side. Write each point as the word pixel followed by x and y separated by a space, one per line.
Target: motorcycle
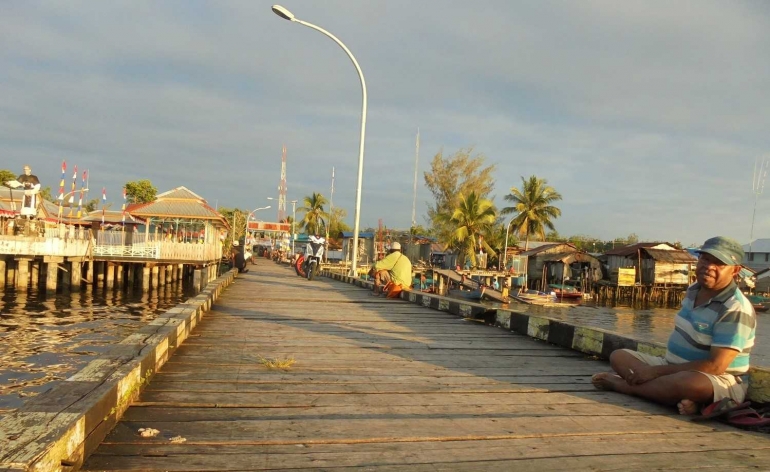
pixel 314 251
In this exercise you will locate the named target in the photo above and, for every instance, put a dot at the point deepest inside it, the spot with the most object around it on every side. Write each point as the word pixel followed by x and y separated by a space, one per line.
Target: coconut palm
pixel 532 205
pixel 315 217
pixel 472 218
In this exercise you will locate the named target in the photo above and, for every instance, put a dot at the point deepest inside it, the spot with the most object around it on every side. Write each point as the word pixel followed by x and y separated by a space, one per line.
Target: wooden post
pixel 51 277
pixel 119 275
pixel 2 273
pixel 90 272
pixel 131 277
pixel 100 269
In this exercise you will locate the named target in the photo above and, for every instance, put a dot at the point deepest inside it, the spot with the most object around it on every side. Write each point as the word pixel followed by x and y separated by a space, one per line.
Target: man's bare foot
pixel 606 380
pixel 687 407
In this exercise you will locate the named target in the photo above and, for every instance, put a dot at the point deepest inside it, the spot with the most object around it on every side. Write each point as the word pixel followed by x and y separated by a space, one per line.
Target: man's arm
pixel 719 360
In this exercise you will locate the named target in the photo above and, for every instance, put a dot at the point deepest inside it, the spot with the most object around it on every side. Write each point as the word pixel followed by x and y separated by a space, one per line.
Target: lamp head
pixel 283 13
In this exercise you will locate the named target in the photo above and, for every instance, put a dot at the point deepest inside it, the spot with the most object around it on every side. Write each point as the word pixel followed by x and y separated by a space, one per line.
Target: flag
pixel 71 200
pixel 82 191
pixel 104 201
pixel 61 186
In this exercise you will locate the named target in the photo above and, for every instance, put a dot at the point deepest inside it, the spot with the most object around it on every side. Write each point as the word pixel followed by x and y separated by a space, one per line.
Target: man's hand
pixel 641 374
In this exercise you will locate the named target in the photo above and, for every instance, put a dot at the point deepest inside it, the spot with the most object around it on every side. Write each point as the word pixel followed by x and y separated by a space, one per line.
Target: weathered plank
pixel 385 385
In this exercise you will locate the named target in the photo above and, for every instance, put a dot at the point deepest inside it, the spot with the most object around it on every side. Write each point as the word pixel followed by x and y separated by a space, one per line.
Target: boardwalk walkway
pixel 384 385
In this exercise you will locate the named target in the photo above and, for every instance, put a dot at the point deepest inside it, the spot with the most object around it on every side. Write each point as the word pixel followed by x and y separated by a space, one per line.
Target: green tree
pixel 337 222
pixel 315 217
pixel 473 217
pixel 140 191
pixel 91 205
pixel 462 173
pixel 6 175
pixel 532 205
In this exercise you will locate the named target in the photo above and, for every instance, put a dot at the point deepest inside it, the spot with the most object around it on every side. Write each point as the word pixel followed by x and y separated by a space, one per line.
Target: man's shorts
pixel 725 385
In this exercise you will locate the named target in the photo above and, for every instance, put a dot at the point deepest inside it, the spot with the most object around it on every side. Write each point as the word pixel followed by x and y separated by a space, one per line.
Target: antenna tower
pixel 414 197
pixel 282 188
pixel 757 187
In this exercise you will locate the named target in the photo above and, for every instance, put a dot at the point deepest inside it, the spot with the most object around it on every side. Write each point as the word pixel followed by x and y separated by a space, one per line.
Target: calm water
pixel 650 324
pixel 44 340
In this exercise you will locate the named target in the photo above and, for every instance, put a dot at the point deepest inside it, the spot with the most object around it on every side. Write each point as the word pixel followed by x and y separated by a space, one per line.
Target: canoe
pixel 477 294
pixel 565 291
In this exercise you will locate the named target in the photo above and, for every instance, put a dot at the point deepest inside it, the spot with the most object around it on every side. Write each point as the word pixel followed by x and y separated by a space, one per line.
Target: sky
pixel 649 117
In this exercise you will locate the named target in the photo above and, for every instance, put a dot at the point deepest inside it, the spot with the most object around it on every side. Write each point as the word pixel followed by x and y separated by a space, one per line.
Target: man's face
pixel 714 274
pixel 27 170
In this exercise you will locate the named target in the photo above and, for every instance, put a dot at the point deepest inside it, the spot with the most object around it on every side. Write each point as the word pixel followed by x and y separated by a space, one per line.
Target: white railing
pixel 142 251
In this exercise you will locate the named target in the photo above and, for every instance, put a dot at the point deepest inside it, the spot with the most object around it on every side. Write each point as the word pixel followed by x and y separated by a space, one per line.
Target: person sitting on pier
pixel 394 270
pixel 707 356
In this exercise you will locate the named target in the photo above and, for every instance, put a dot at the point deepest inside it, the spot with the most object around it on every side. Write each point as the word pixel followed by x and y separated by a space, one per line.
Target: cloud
pixel 646 116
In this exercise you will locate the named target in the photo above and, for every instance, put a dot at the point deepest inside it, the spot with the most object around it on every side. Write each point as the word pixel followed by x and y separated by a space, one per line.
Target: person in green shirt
pixel 395 267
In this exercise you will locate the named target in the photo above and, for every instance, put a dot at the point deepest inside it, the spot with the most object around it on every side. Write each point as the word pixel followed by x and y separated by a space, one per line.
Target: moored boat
pixel 565 291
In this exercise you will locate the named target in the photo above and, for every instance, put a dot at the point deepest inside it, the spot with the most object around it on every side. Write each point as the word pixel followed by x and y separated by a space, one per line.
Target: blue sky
pixel 648 116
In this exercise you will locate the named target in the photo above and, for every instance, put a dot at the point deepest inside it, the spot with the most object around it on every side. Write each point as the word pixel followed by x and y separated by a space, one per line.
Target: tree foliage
pixel 6 175
pixel 532 205
pixel 337 222
pixel 140 191
pixel 315 218
pixel 473 217
pixel 449 177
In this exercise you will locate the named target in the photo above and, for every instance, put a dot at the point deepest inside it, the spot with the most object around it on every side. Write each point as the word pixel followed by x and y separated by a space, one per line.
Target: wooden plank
pixel 381 385
pixel 562 453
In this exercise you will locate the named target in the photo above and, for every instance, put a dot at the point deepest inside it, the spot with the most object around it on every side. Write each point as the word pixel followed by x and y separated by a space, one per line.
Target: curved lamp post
pixel 505 251
pixel 248 217
pixel 287 15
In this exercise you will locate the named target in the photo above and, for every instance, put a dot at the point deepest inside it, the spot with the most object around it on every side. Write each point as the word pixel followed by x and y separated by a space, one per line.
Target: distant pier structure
pixel 174 239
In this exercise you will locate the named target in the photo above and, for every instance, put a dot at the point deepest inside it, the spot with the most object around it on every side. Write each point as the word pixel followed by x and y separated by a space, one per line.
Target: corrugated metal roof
pixel 665 255
pixel 758 245
pixel 349 234
pixel 177 203
pixel 633 248
pixel 545 247
pixel 180 193
pixel 112 217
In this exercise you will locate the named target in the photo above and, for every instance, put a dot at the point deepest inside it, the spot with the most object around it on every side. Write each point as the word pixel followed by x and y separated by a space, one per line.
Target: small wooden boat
pixel 533 297
pixel 477 294
pixel 565 291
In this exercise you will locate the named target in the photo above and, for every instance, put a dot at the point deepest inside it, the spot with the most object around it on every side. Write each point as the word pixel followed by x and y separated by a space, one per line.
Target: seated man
pixel 707 357
pixel 395 267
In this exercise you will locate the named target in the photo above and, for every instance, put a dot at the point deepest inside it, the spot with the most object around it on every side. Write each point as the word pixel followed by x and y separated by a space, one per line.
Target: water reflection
pixel 647 324
pixel 45 339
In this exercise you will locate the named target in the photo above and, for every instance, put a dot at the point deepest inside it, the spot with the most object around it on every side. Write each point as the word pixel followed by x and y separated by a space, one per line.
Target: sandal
pixel 747 417
pixel 719 409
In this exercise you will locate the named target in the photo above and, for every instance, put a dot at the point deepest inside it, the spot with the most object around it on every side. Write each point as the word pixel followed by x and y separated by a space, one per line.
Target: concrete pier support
pixel 119 269
pixel 2 274
pixel 146 278
pixel 169 274
pixel 131 275
pixel 11 272
pixel 99 269
pixel 22 275
pixel 155 282
pixel 197 278
pixel 51 277
pixel 110 280
pixel 35 267
pixel 180 272
pixel 76 273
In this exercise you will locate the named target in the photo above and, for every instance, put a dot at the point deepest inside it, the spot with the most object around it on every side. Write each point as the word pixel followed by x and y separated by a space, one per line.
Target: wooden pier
pixel 385 385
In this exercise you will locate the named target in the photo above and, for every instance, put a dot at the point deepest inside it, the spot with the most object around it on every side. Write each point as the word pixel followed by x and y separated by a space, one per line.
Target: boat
pixel 761 304
pixel 477 294
pixel 565 291
pixel 534 297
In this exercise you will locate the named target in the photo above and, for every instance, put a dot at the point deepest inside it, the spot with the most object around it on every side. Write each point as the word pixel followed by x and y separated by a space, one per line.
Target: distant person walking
pixel 707 357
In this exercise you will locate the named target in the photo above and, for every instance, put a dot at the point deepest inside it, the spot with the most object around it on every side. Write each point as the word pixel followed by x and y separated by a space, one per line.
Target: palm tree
pixel 472 217
pixel 533 208
pixel 315 217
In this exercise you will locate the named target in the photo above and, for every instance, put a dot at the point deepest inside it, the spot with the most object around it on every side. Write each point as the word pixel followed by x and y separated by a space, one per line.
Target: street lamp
pixel 248 217
pixel 287 15
pixel 505 251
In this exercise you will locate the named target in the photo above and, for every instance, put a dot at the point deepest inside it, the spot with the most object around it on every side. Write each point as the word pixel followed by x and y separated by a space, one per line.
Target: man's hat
pixel 725 249
pixel 395 246
pixel 235 243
